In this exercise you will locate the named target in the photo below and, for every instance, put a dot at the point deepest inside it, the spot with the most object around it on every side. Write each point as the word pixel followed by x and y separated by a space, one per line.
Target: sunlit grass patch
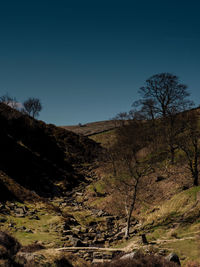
pixel 187 250
pixel 177 206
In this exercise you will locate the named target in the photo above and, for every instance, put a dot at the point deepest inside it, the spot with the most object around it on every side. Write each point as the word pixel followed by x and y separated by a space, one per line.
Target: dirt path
pixel 91 249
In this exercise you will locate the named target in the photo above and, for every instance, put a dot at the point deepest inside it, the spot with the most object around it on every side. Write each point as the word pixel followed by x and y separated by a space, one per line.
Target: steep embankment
pixel 37 155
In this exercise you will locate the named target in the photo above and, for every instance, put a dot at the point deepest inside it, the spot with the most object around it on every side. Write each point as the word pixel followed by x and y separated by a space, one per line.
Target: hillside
pixel 93 127
pixel 60 198
pixel 37 155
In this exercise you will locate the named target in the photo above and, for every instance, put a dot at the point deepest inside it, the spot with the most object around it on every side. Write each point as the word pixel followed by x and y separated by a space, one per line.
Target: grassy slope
pixel 169 216
pixel 92 128
pixel 175 225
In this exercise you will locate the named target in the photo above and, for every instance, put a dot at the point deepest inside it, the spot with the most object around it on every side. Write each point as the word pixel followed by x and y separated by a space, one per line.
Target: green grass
pixel 156 233
pixel 85 217
pixel 106 139
pixel 44 229
pixel 180 204
pixel 192 192
pixel 97 202
pixel 187 250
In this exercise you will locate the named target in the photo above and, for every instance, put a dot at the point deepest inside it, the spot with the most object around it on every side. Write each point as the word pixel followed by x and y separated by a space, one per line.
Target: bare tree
pixel 147 108
pixel 129 167
pixel 163 96
pixel 10 101
pixel 137 172
pixel 120 119
pixel 32 106
pixel 169 96
pixel 188 142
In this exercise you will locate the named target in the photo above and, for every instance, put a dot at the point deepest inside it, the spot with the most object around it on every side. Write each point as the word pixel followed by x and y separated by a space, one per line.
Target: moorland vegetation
pixel 132 185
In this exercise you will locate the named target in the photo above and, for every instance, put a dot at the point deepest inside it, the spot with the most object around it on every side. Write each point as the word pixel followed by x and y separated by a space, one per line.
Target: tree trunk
pixel 128 223
pixel 114 168
pixel 195 164
pixel 195 173
pixel 172 151
pixel 131 209
pixel 195 182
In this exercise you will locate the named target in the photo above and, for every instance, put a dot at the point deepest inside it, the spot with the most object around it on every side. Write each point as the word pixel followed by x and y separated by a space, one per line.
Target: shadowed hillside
pixel 36 155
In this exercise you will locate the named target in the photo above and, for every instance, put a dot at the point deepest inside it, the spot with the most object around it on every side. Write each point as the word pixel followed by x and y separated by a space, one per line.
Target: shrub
pixel 9 243
pixel 32 248
pixel 193 264
pixel 62 262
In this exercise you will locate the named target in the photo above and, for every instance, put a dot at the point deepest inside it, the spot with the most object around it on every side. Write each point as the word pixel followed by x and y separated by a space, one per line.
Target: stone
pixel 174 258
pixel 22 228
pixel 97 261
pixel 144 239
pixel 92 223
pixel 76 242
pixel 20 210
pixel 160 178
pixel 34 217
pixel 28 231
pixel 162 252
pixel 129 256
pixel 67 232
pixel 100 213
pixel 3 219
pixel 185 187
pixel 97 255
pixel 78 194
pixel 107 256
pixel 76 230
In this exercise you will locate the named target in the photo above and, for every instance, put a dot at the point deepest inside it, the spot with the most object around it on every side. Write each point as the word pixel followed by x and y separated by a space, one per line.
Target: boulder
pixel 76 242
pixel 160 178
pixel 3 219
pixel 129 256
pixel 174 258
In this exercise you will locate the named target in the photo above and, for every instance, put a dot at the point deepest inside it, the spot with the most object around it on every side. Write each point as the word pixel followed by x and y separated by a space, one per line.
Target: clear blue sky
pixel 86 60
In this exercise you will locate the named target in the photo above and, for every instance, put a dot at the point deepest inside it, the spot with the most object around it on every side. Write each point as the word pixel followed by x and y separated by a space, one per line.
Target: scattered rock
pixel 67 232
pixel 34 217
pixel 185 187
pixel 100 213
pixel 28 231
pixel 153 210
pixel 76 242
pixel 3 219
pixel 144 239
pixel 173 257
pixel 160 178
pixel 22 228
pixel 129 256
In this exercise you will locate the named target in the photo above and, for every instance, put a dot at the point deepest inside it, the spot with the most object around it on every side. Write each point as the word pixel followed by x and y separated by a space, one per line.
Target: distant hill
pixel 93 127
pixel 37 155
